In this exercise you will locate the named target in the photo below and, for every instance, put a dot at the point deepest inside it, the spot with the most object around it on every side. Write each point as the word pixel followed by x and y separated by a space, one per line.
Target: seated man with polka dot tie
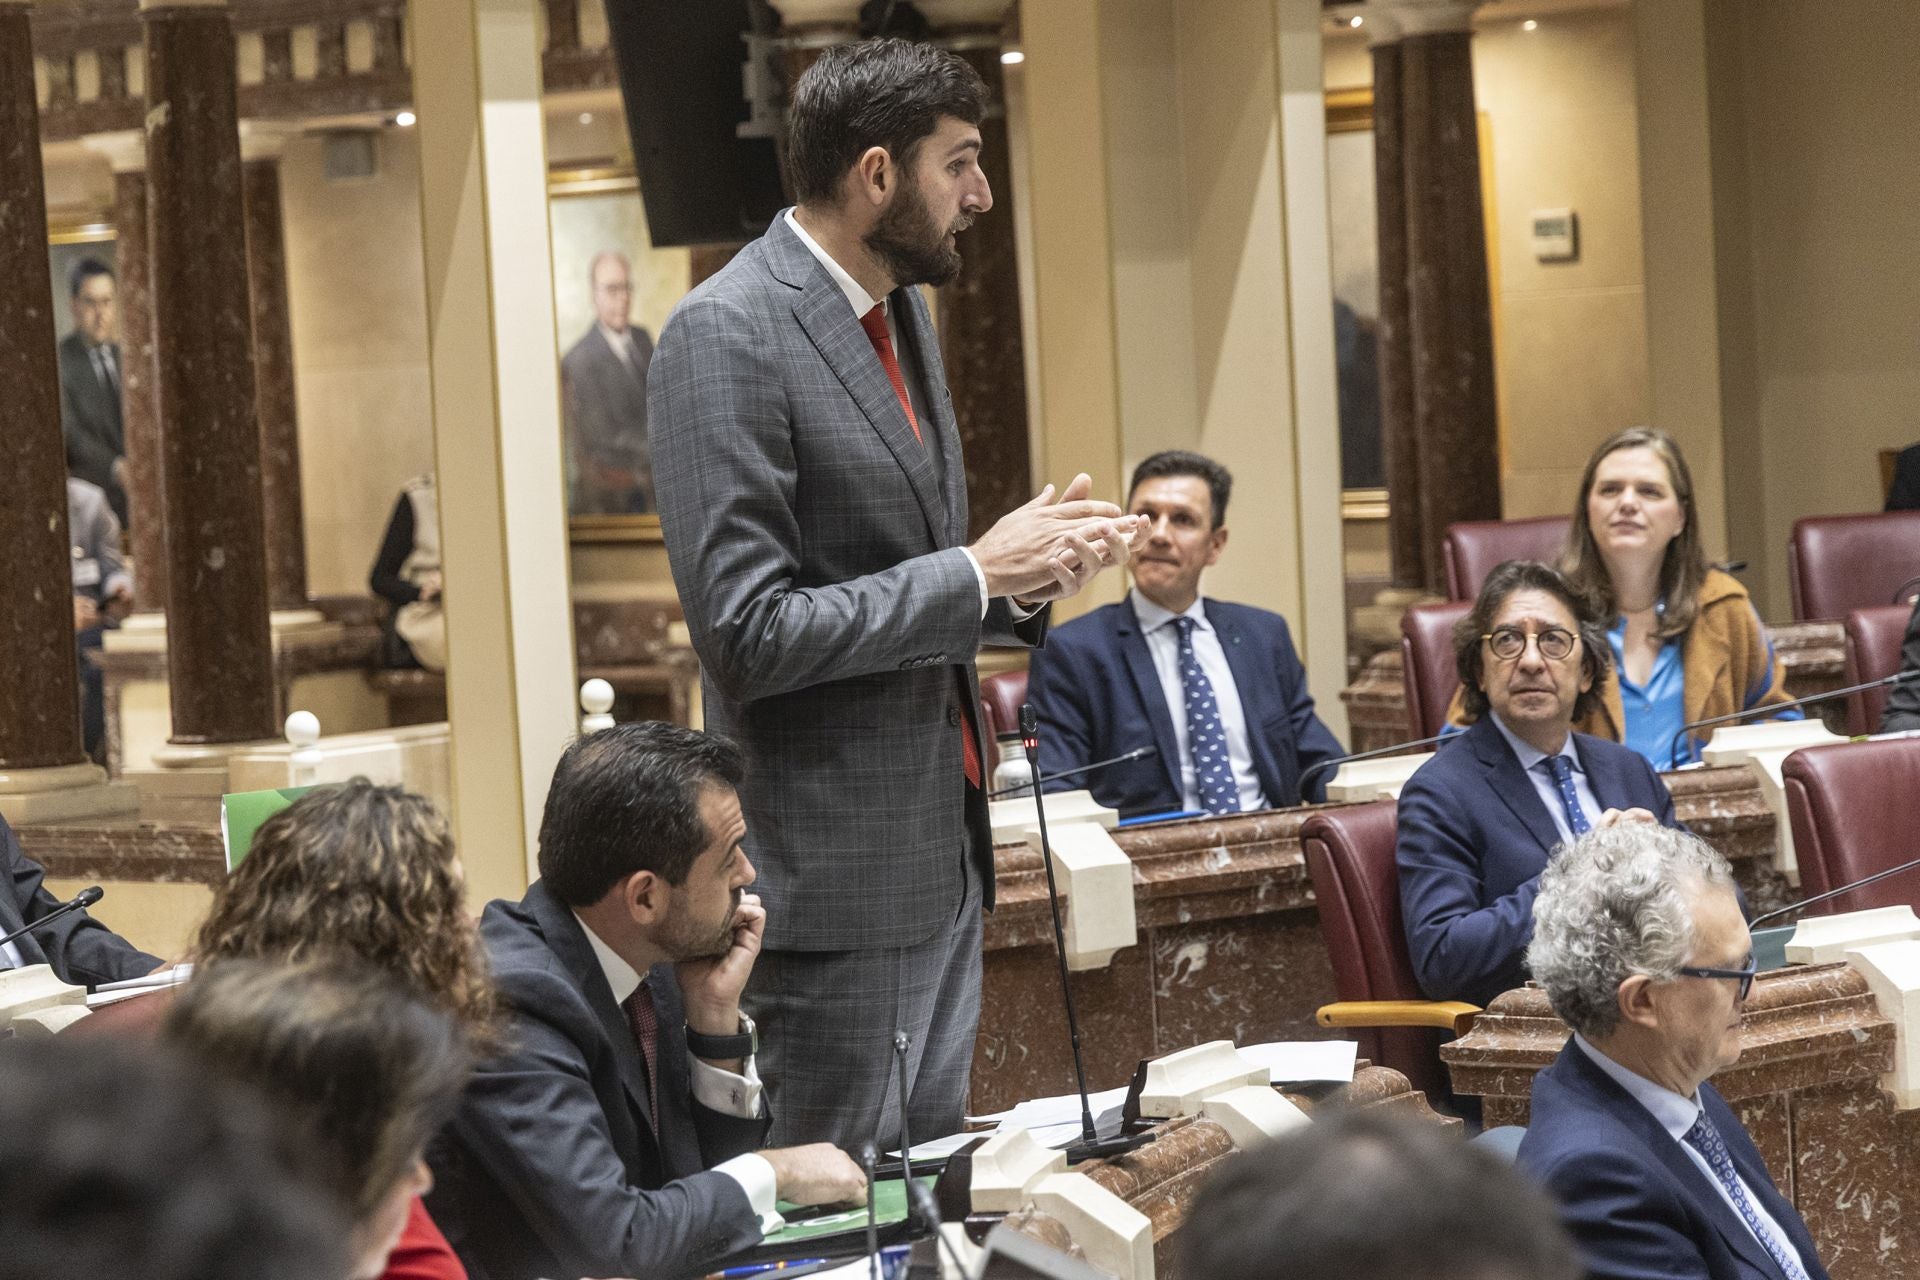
pixel 1480 821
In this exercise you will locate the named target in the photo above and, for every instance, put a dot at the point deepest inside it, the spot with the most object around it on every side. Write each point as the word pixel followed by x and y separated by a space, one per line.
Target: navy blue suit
pixel 80 949
pixel 1474 836
pixel 1635 1202
pixel 1098 695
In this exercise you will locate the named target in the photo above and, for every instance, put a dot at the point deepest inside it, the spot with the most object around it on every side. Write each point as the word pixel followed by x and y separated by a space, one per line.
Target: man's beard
pixel 910 244
pixel 698 944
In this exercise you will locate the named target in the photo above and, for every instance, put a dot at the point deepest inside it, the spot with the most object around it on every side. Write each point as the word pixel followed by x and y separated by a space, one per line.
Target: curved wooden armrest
pixel 1446 1015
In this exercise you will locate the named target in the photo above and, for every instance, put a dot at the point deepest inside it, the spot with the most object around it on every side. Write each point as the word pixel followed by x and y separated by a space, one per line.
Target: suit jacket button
pixel 953 715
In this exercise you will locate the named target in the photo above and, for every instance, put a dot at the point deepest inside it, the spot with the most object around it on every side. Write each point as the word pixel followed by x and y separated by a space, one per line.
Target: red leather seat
pixel 1001 697
pixel 1349 853
pixel 1851 807
pixel 1473 547
pixel 1427 666
pixel 1837 564
pixel 1874 637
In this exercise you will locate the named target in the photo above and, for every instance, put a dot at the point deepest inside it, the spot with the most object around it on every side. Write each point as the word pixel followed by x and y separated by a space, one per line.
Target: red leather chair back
pixel 1349 853
pixel 1473 547
pixel 1841 563
pixel 1426 663
pixel 1851 808
pixel 1001 697
pixel 1874 637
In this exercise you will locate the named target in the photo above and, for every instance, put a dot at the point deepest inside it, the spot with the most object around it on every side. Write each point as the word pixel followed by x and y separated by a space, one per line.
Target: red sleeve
pixel 423 1253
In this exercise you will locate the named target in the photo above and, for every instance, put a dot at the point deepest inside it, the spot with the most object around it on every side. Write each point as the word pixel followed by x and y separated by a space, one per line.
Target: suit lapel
pixel 1509 781
pixel 1247 679
pixel 567 938
pixel 1146 682
pixel 941 429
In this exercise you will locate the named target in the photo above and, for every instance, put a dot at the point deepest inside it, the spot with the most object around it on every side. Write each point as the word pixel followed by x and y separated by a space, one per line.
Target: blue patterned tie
pixel 1563 783
pixel 1705 1139
pixel 1206 739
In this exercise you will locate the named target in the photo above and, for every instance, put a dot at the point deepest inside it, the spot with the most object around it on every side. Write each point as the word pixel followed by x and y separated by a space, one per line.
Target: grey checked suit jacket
pixel 816 548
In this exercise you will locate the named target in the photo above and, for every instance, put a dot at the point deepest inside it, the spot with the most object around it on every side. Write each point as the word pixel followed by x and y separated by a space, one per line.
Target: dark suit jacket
pixel 606 413
pixel 90 420
pixel 1098 695
pixel 818 550
pixel 1903 703
pixel 1635 1202
pixel 554 1164
pixel 1474 836
pixel 80 949
pixel 1904 493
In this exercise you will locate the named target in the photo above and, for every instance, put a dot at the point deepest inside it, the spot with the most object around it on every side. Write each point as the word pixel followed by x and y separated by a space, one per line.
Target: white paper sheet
pixel 1302 1061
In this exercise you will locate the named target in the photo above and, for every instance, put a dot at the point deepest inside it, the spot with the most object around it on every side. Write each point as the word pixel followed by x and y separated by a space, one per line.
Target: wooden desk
pixel 1806 1087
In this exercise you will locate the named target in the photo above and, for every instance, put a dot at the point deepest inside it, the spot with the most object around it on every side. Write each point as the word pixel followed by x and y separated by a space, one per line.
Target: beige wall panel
pixel 160 919
pixel 1540 491
pixel 1578 373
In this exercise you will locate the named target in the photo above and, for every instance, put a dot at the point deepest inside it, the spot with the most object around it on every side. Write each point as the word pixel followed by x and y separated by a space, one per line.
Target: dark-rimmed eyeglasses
pixel 1508 643
pixel 1742 976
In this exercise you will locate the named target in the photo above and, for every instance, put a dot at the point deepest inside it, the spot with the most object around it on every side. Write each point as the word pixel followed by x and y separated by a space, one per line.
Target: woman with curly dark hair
pixel 367 873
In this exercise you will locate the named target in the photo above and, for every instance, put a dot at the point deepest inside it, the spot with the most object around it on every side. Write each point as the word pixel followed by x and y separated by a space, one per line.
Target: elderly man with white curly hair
pixel 1639 942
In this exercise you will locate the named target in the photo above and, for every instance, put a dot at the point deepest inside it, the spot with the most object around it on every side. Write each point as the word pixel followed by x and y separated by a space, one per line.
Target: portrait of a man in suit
pixel 603 379
pixel 90 384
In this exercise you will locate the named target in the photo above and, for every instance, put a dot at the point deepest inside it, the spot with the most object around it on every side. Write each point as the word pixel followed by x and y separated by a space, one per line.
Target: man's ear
pixel 646 897
pixel 873 175
pixel 1636 1001
pixel 1216 543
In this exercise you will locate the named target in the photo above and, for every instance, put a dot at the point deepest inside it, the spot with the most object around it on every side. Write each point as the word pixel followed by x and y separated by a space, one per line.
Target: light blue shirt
pixel 1163 642
pixel 1676 1115
pixel 1657 710
pixel 1543 784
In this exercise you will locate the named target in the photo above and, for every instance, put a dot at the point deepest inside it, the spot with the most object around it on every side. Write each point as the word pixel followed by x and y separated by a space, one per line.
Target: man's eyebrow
pixel 965 144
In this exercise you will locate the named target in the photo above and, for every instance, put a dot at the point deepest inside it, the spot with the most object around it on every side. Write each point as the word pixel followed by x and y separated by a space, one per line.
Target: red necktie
pixel 646 1034
pixel 875 323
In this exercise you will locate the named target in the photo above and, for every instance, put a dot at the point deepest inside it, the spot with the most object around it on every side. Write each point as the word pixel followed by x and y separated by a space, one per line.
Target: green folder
pixel 890 1206
pixel 242 812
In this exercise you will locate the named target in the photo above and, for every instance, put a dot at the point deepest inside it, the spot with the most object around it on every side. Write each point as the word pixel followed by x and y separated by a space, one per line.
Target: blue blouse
pixel 1656 710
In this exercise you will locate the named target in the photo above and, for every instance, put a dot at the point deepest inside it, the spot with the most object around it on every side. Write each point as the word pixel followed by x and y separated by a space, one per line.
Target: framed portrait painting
pixel 612 292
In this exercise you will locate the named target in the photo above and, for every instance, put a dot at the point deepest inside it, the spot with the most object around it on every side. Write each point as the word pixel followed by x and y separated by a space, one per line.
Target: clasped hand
pixel 1048 549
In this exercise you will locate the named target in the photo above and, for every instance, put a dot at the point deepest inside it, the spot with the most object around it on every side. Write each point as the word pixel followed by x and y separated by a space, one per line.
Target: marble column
pixel 127 153
pixel 219 649
pixel 979 317
pixel 1395 347
pixel 40 696
pixel 284 527
pixel 1448 348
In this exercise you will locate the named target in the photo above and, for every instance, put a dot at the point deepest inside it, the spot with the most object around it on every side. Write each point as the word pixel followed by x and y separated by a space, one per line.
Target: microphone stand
pixel 1090 1144
pixel 79 902
pixel 1314 771
pixel 1774 708
pixel 1817 898
pixel 1138 753
pixel 868 1158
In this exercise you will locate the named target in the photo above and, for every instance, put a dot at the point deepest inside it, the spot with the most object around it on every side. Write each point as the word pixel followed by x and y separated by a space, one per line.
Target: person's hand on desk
pixel 1614 817
pixel 1048 550
pixel 819 1173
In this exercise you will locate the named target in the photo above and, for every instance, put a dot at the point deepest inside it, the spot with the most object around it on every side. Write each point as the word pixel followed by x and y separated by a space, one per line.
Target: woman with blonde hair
pixel 366 873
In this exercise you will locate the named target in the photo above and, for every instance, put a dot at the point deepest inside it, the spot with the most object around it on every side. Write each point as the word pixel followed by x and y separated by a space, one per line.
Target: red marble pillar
pixel 219 650
pixel 980 333
pixel 274 393
pixel 139 410
pixel 40 694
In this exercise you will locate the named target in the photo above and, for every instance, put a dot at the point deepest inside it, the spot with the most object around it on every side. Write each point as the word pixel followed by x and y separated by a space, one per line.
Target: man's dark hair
pixel 876 93
pixel 117 1161
pixel 1596 655
pixel 83 271
pixel 627 799
pixel 1370 1192
pixel 1183 462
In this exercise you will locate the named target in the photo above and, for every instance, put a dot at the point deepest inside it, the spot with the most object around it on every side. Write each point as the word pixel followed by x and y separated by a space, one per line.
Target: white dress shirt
pixel 1543 784
pixel 621 340
pixel 1676 1115
pixel 1163 642
pixel 10 957
pixel 722 1091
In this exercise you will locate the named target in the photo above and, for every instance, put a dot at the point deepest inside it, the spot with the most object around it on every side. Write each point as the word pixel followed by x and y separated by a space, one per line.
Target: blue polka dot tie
pixel 1705 1139
pixel 1562 773
pixel 1206 738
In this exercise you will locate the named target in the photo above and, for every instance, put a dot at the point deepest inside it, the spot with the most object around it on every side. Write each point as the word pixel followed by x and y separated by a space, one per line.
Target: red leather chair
pixel 1837 564
pixel 1426 663
pixel 1851 808
pixel 1349 853
pixel 1001 697
pixel 1473 547
pixel 1874 637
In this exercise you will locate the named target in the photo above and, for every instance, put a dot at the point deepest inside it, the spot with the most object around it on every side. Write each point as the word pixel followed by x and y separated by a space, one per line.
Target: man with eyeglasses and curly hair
pixel 1480 821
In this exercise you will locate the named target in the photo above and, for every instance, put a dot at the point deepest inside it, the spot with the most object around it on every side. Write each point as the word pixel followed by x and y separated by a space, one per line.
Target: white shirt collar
pixel 857 297
pixel 1529 755
pixel 621 340
pixel 621 976
pixel 1152 617
pixel 1674 1112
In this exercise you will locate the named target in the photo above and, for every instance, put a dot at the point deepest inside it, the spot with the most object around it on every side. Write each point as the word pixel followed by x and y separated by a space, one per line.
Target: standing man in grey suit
pixel 90 385
pixel 814 503
pixel 603 379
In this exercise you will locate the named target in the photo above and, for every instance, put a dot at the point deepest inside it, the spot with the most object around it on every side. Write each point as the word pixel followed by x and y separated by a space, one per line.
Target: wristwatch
pixel 744 1043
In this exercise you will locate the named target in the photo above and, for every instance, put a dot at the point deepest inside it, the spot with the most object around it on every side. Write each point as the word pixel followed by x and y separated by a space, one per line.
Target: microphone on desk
pixel 1314 771
pixel 1090 1143
pixel 1817 898
pixel 79 902
pixel 1775 708
pixel 1138 753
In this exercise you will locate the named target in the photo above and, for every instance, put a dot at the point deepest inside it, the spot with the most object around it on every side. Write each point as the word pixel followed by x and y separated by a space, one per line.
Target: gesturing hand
pixel 1047 549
